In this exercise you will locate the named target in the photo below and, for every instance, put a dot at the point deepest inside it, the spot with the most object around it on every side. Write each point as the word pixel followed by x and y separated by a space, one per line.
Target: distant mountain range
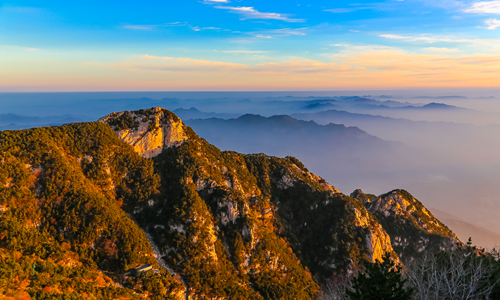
pixel 440 136
pixel 14 122
pixel 193 113
pixel 480 236
pixel 438 166
pixel 339 153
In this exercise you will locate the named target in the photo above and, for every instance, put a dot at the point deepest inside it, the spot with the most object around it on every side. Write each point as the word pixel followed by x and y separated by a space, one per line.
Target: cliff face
pixel 148 131
pixel 412 227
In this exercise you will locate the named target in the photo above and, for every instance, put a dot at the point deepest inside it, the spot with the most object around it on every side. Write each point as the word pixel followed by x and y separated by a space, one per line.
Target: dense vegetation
pixel 319 226
pixel 380 280
pixel 219 255
pixel 62 189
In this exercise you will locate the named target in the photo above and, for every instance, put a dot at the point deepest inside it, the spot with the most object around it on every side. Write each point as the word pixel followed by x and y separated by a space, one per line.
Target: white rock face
pixel 378 242
pixel 154 133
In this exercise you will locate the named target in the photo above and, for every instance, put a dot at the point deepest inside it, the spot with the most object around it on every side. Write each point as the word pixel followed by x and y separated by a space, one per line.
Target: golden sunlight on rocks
pixel 155 130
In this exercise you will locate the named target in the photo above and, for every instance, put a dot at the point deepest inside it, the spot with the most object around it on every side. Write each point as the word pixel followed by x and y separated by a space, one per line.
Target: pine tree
pixel 380 281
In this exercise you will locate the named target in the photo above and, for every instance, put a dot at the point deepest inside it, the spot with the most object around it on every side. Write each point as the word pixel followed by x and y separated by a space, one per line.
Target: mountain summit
pixel 148 131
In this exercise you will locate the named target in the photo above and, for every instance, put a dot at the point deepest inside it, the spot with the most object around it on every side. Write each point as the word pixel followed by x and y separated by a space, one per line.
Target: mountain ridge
pixel 226 225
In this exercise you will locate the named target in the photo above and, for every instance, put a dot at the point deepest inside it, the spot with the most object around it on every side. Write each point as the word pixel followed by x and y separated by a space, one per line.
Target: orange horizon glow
pixel 352 69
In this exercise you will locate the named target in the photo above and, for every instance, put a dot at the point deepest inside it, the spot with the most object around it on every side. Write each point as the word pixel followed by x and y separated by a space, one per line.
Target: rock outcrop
pixel 412 227
pixel 148 131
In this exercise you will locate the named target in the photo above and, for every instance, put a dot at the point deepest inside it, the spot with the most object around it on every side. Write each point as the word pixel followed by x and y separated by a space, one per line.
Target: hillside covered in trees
pixel 83 204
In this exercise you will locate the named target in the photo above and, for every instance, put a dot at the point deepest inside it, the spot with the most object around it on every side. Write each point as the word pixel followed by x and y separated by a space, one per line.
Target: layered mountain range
pixel 84 203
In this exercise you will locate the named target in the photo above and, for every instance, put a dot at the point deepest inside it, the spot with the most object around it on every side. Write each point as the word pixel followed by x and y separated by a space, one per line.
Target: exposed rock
pixel 378 242
pixel 155 129
pixel 412 227
pixel 358 194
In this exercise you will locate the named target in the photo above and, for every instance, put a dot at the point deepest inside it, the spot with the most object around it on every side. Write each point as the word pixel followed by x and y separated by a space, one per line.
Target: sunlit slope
pixel 62 190
pixel 412 227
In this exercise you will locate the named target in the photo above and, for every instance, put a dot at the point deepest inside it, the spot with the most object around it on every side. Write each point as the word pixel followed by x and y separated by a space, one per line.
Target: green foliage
pixel 197 178
pixel 53 280
pixel 320 227
pixel 125 121
pixel 63 188
pixel 160 285
pixel 380 281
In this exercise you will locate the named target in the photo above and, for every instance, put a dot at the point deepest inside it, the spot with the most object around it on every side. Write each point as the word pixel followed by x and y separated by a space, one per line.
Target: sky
pixel 248 45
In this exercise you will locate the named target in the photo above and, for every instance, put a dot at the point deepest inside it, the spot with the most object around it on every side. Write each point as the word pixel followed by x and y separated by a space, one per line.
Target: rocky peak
pixel 359 195
pixel 148 131
pixel 412 227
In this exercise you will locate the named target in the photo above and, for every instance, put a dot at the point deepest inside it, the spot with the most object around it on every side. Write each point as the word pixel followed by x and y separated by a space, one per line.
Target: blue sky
pixel 84 45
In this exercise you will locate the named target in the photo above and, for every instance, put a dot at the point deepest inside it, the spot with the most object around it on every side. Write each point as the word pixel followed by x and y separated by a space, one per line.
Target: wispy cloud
pixel 244 52
pixel 484 7
pixel 196 28
pixel 492 23
pixel 151 27
pixel 139 27
pixel 442 50
pixel 252 13
pixel 436 39
pixel 171 64
pixel 425 39
pixel 216 1
pixel 340 10
pixel 282 32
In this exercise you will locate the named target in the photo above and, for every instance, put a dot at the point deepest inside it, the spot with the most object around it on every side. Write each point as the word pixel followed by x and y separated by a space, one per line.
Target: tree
pixel 463 273
pixel 380 281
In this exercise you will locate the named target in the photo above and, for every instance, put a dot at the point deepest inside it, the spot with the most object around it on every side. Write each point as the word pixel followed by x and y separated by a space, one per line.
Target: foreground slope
pixel 61 193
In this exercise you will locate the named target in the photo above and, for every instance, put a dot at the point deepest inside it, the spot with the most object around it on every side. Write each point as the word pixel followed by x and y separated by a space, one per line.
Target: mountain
pixel 282 135
pixel 345 155
pixel 6 119
pixel 16 122
pixel 412 227
pixel 83 204
pixel 435 136
pixel 193 113
pixel 247 220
